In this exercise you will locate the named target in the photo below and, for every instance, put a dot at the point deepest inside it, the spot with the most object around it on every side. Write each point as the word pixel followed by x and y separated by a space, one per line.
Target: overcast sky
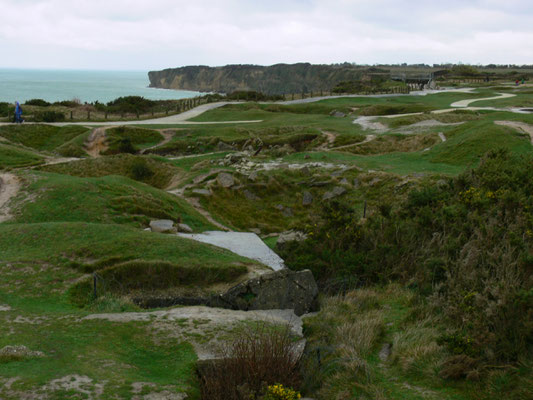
pixel 156 34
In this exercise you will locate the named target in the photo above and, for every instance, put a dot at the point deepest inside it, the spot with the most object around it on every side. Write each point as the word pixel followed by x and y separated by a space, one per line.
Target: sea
pixel 87 86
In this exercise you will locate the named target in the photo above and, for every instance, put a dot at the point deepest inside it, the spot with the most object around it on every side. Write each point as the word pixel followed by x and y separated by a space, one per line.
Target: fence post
pixel 88 115
pixel 71 115
pixel 106 115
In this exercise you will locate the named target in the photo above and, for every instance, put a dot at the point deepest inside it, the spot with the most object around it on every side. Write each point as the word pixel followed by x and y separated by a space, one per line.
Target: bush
pixel 37 102
pixel 131 104
pixel 257 357
pixel 49 116
pixel 140 170
pixel 466 245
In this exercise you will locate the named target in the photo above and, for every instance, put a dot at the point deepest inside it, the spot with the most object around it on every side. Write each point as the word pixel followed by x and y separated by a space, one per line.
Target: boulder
pixel 184 228
pixel 202 192
pixel 284 289
pixel 253 176
pixel 287 212
pixel 225 180
pixel 307 198
pixel 221 146
pixel 337 191
pixel 337 114
pixel 163 226
pixel 289 236
pixel 250 195
pixel 19 352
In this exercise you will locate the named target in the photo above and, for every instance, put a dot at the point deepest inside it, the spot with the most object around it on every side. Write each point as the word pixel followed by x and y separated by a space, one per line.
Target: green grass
pixel 108 199
pixel 60 243
pixel 115 355
pixel 144 169
pixel 41 137
pixel 14 157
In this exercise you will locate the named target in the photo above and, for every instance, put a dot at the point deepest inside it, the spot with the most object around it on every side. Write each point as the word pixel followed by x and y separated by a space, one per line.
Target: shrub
pixel 140 170
pixel 467 245
pixel 37 102
pixel 257 357
pixel 49 116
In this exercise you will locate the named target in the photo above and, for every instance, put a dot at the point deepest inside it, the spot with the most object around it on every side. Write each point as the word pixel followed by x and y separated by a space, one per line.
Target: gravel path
pixel 9 187
pixel 466 103
pixel 245 244
pixel 179 322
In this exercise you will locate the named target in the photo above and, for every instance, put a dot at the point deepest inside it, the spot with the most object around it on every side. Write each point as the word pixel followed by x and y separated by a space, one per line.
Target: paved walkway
pixel 245 244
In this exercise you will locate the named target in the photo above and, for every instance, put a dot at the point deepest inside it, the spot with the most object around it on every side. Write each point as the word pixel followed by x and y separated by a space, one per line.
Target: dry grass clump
pixel 258 357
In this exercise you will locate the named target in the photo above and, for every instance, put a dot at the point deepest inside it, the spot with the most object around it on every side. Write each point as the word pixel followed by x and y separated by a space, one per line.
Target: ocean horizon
pixel 86 85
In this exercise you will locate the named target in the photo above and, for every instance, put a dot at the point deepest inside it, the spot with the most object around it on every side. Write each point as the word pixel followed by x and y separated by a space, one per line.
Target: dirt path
pixel 179 322
pixel 368 138
pixel 330 139
pixel 96 142
pixel 466 103
pixel 520 126
pixel 9 187
pixel 167 135
pixel 195 203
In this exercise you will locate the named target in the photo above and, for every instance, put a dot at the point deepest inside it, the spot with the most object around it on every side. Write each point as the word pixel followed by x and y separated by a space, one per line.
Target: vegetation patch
pixel 108 199
pixel 13 157
pixel 143 169
pixel 41 137
pixel 124 139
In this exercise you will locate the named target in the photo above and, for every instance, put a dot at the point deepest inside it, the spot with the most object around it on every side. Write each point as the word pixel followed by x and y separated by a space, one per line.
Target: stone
pixel 289 236
pixel 221 146
pixel 257 231
pixel 306 171
pixel 250 196
pixel 225 180
pixel 307 198
pixel 279 207
pixel 253 176
pixel 337 191
pixel 184 228
pixel 344 181
pixel 356 183
pixel 287 212
pixel 202 192
pixel 337 114
pixel 279 290
pixel 385 352
pixel 18 352
pixel 441 183
pixel 374 182
pixel 163 226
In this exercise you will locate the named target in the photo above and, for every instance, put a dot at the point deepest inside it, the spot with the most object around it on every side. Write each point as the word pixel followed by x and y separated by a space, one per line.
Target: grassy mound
pixel 124 139
pixel 41 137
pixel 142 277
pixel 108 199
pixel 144 169
pixel 13 157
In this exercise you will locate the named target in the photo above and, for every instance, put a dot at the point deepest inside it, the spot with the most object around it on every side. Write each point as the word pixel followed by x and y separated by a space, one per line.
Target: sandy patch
pixel 96 143
pixel 520 126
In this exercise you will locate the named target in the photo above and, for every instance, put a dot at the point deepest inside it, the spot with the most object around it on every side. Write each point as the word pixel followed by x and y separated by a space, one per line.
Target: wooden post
pixel 89 115
pixel 71 115
pixel 106 115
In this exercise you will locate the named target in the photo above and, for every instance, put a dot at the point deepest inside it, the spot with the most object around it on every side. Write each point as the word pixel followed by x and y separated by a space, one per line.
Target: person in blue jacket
pixel 18 113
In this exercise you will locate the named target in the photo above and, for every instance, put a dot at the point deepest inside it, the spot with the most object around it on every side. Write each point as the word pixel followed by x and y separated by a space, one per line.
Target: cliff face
pixel 275 79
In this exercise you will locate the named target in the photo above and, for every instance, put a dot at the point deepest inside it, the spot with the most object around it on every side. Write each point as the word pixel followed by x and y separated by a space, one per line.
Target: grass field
pixel 78 218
